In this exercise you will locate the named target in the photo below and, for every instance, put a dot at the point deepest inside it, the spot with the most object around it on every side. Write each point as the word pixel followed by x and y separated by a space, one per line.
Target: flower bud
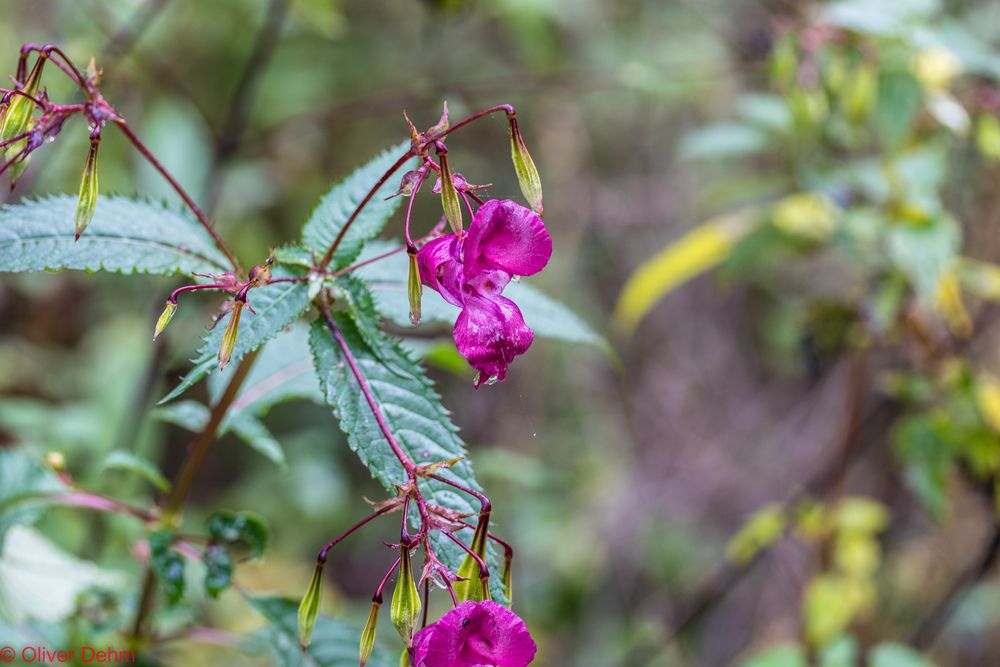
pixel 261 275
pixel 524 167
pixel 17 119
pixel 405 610
pixel 229 336
pixel 165 317
pixel 88 192
pixel 449 197
pixel 475 586
pixel 368 634
pixel 414 288
pixel 309 607
pixel 56 461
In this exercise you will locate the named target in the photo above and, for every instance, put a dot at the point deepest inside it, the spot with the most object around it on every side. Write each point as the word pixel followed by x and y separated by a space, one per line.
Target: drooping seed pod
pixel 229 336
pixel 17 118
pixel 165 317
pixel 405 610
pixel 524 167
pixel 414 288
pixel 309 607
pixel 475 586
pixel 87 203
pixel 449 196
pixel 368 634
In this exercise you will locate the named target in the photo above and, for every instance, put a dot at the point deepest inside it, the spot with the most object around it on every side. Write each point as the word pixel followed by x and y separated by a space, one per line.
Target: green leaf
pixel 277 306
pixel 126 236
pixel 24 485
pixel 413 412
pixel 41 582
pixel 925 252
pixel 123 460
pixel 897 106
pixel 218 570
pixel 722 141
pixel 896 655
pixel 336 206
pixel 168 564
pixel 334 644
pixel 245 527
pixel 547 317
pixel 922 444
pixel 253 432
pixel 189 415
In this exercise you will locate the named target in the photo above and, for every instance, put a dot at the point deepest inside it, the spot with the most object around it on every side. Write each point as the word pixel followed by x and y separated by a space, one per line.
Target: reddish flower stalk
pixel 412 152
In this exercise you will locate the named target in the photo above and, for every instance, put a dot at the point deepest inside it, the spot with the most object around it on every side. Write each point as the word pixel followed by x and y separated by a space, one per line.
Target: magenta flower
pixel 504 240
pixel 474 634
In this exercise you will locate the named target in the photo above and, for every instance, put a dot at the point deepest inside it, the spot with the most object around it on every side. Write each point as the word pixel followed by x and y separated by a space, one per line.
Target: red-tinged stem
pixel 101 503
pixel 438 228
pixel 487 506
pixel 378 591
pixel 409 211
pixel 472 214
pixel 198 213
pixel 23 135
pixel 63 63
pixel 288 279
pixel 366 390
pixel 6 165
pixel 451 591
pixel 507 548
pixel 191 288
pixel 484 571
pixel 508 109
pixel 321 557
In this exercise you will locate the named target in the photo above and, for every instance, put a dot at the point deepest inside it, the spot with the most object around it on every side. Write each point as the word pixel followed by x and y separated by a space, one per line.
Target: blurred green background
pixel 619 478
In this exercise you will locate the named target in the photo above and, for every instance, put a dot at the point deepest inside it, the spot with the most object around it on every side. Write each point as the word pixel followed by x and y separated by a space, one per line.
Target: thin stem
pixel 434 233
pixel 487 506
pixel 101 503
pixel 507 548
pixel 409 209
pixel 321 557
pixel 366 390
pixel 192 288
pixel 378 591
pixel 199 450
pixel 196 455
pixel 325 261
pixel 511 113
pixel 198 213
pixel 484 572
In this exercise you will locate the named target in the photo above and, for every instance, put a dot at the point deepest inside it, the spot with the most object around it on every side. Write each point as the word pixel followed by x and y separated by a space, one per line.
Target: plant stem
pixel 321 558
pixel 414 151
pixel 366 390
pixel 198 213
pixel 196 456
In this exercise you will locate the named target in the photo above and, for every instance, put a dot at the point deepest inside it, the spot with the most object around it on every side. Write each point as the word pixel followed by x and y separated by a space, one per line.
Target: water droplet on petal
pixel 491 380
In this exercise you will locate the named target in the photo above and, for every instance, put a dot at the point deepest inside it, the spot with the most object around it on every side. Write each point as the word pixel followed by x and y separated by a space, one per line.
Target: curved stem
pixel 508 109
pixel 366 390
pixel 321 557
pixel 188 201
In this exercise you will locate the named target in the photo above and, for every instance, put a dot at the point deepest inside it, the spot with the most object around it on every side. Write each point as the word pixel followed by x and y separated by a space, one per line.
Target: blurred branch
pixel 230 134
pixel 937 618
pixel 128 34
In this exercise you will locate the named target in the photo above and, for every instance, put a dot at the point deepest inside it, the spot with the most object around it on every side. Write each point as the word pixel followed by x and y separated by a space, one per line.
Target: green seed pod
pixel 414 288
pixel 475 587
pixel 165 317
pixel 405 610
pixel 449 197
pixel 88 192
pixel 17 119
pixel 229 337
pixel 508 586
pixel 309 607
pixel 524 167
pixel 368 634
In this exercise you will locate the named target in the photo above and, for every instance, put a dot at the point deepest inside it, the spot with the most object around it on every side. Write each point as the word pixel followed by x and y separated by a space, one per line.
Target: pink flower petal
pixel 475 634
pixel 441 269
pixel 489 333
pixel 505 235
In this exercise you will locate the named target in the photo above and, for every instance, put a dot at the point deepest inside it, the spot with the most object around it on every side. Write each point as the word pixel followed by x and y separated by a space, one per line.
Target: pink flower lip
pixel 504 240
